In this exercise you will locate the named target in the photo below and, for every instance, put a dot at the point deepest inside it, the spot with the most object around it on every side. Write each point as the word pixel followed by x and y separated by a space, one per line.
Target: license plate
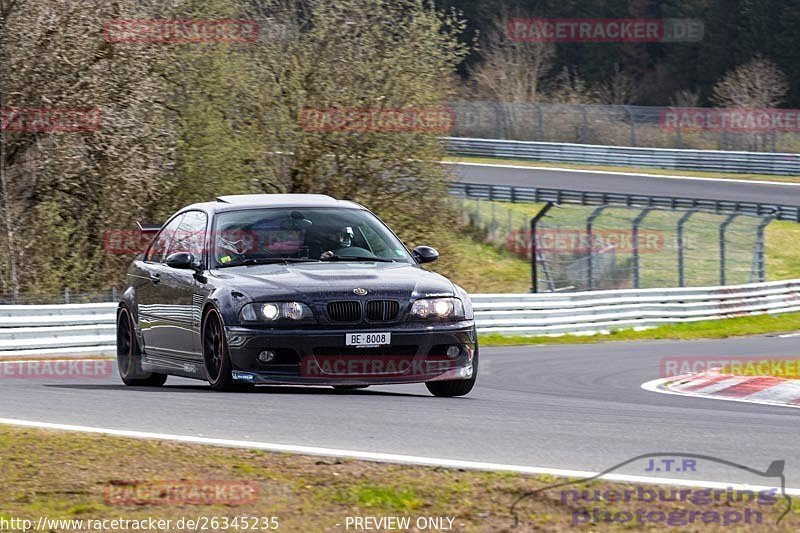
pixel 368 339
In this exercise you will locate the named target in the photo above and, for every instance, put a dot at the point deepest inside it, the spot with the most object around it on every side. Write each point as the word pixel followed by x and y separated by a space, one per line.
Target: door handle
pixel 155 278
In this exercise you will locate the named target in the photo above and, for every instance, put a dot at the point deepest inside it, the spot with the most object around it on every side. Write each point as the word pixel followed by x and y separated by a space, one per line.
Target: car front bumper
pixel 417 353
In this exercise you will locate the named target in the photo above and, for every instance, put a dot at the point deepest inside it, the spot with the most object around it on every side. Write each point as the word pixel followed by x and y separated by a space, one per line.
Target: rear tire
pixel 215 352
pixel 456 387
pixel 129 355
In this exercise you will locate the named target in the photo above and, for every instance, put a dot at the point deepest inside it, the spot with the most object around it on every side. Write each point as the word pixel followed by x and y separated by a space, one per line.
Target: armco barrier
pixel 600 311
pixel 514 194
pixel 672 158
pixel 88 329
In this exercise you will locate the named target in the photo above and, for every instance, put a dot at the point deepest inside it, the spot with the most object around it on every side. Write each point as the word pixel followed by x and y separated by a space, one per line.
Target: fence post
pixel 66 295
pixel 722 252
pixel 681 251
pixel 539 125
pixel 760 256
pixel 633 124
pixel 636 222
pixel 534 252
pixel 497 120
pixel 584 126
pixel 590 243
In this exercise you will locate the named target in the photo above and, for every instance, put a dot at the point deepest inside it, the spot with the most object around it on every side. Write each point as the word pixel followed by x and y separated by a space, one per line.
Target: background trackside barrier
pixel 82 330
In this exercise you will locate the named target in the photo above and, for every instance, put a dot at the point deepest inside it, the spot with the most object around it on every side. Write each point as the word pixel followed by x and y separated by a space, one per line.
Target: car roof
pixel 252 201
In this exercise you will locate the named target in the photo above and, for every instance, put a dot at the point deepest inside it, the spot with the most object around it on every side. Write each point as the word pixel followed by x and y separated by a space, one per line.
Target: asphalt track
pixel 576 407
pixel 614 182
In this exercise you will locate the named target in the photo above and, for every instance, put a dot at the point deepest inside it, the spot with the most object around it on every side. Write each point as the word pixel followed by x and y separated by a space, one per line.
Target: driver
pixel 232 244
pixel 340 239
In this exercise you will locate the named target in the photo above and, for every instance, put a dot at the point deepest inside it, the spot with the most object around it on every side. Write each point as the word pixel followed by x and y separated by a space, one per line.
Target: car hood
pixel 320 281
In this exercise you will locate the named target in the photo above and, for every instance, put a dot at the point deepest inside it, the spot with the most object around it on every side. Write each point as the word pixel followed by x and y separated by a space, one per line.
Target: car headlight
pixel 437 308
pixel 274 311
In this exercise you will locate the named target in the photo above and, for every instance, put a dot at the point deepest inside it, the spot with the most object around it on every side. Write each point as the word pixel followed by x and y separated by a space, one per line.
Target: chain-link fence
pixel 624 125
pixel 605 247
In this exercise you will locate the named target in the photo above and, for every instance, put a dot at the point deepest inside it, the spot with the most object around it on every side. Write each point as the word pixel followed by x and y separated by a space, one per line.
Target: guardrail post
pixel 681 250
pixel 722 228
pixel 636 222
pixel 535 220
pixel 589 267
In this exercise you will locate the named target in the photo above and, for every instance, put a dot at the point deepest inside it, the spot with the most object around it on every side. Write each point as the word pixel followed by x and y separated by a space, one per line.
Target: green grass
pixel 711 329
pixel 481 267
pixel 62 475
pixel 635 170
pixel 659 268
pixel 783 250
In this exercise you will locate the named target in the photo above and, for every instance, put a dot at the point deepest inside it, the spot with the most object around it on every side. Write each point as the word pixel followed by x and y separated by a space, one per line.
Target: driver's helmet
pixel 236 242
pixel 345 237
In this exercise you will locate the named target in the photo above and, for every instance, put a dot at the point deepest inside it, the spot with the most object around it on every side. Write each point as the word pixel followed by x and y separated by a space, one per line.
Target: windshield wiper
pixel 269 260
pixel 356 258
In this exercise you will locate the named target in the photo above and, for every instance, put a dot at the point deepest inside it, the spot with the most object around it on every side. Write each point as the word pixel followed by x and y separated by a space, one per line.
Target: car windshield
pixel 266 235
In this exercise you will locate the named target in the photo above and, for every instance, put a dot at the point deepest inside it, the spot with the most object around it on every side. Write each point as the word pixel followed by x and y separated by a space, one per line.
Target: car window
pixel 157 250
pixel 302 233
pixel 190 236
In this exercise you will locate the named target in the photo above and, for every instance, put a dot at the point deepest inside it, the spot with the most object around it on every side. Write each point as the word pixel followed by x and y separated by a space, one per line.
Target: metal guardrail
pixel 512 193
pixel 672 158
pixel 600 311
pixel 88 329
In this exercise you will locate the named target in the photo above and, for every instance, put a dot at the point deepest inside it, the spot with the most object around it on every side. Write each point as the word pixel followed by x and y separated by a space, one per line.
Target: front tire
pixel 456 387
pixel 215 352
pixel 129 355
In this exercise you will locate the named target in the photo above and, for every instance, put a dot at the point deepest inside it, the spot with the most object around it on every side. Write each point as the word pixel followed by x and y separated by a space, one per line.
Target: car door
pixel 179 288
pixel 153 296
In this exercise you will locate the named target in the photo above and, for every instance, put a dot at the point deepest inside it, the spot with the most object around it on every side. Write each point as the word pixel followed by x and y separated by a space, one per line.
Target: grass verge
pixel 710 329
pixel 634 170
pixel 75 476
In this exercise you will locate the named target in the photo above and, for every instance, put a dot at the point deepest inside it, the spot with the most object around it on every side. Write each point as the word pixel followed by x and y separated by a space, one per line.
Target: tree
pixel 759 83
pixel 511 68
pixel 78 184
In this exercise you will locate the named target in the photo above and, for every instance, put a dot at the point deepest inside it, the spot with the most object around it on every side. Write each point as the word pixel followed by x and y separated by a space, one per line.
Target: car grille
pixel 382 310
pixel 344 311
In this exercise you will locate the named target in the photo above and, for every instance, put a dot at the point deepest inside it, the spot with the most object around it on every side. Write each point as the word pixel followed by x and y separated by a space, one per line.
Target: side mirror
pixel 182 260
pixel 425 254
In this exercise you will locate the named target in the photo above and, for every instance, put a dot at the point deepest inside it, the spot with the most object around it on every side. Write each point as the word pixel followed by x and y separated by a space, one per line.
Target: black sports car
pixel 291 289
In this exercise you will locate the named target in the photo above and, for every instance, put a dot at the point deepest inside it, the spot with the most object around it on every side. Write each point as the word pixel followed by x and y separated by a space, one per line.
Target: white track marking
pixel 790 389
pixel 612 173
pixel 789 335
pixel 387 457
pixel 657 385
pixel 721 385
